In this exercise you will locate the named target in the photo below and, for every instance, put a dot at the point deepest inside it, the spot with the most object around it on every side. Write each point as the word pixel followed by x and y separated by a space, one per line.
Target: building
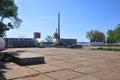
pixel 68 41
pixel 21 42
pixel 46 44
pixel 96 42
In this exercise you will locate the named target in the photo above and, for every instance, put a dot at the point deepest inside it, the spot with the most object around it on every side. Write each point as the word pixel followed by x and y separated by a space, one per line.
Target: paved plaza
pixel 65 64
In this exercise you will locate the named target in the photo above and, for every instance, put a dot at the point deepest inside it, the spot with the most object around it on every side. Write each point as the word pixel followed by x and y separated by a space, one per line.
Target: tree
pixel 113 36
pixel 49 39
pixel 117 33
pixel 95 34
pixel 110 37
pixel 8 10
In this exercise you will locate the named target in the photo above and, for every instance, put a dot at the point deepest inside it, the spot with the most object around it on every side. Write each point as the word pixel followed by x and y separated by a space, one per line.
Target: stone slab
pixel 35 77
pixel 87 78
pixel 64 75
pixel 107 75
pixel 26 58
pixel 44 68
pixel 13 71
pixel 85 69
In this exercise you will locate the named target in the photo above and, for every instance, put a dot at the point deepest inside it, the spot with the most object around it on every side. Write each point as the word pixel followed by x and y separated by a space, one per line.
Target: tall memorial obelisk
pixel 58 27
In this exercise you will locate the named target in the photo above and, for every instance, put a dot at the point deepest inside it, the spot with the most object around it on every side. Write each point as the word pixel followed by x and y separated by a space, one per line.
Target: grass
pixel 108 49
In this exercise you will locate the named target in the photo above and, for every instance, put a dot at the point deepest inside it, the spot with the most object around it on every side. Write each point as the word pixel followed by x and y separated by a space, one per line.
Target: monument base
pixel 24 59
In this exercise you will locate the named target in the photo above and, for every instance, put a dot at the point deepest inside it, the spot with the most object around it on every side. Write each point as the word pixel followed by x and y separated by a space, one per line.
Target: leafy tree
pixel 95 34
pixel 117 33
pixel 113 36
pixel 110 37
pixel 8 10
pixel 49 39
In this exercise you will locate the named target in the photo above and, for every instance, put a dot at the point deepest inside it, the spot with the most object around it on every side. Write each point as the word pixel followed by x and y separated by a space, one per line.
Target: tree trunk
pixel 1 19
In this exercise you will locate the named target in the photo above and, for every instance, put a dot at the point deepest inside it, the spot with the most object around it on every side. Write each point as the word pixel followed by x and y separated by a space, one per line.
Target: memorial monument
pixel 2 43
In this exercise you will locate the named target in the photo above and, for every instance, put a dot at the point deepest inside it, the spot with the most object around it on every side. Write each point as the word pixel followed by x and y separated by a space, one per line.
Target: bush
pixel 38 43
pixel 109 49
pixel 100 48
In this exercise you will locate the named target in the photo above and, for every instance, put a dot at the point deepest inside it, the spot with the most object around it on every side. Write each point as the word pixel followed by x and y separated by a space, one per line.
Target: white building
pixel 96 42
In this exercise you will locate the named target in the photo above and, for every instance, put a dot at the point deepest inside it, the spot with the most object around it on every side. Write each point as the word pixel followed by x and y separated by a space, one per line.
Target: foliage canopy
pixel 113 36
pixel 95 34
pixel 8 10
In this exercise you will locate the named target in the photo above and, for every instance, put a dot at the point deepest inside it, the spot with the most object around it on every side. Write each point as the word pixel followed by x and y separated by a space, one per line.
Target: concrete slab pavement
pixel 67 64
pixel 86 78
pixel 64 74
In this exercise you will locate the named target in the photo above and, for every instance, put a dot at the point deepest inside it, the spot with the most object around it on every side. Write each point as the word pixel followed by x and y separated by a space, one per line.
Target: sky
pixel 77 17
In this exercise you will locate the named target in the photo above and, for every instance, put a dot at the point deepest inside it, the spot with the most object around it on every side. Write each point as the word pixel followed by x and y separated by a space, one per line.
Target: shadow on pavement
pixel 4 60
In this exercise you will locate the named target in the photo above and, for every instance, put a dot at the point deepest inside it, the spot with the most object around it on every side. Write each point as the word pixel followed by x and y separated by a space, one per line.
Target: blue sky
pixel 77 17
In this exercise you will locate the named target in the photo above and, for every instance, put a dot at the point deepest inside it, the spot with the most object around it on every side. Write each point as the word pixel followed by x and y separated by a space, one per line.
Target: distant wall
pixel 68 41
pixel 20 42
pixel 47 44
